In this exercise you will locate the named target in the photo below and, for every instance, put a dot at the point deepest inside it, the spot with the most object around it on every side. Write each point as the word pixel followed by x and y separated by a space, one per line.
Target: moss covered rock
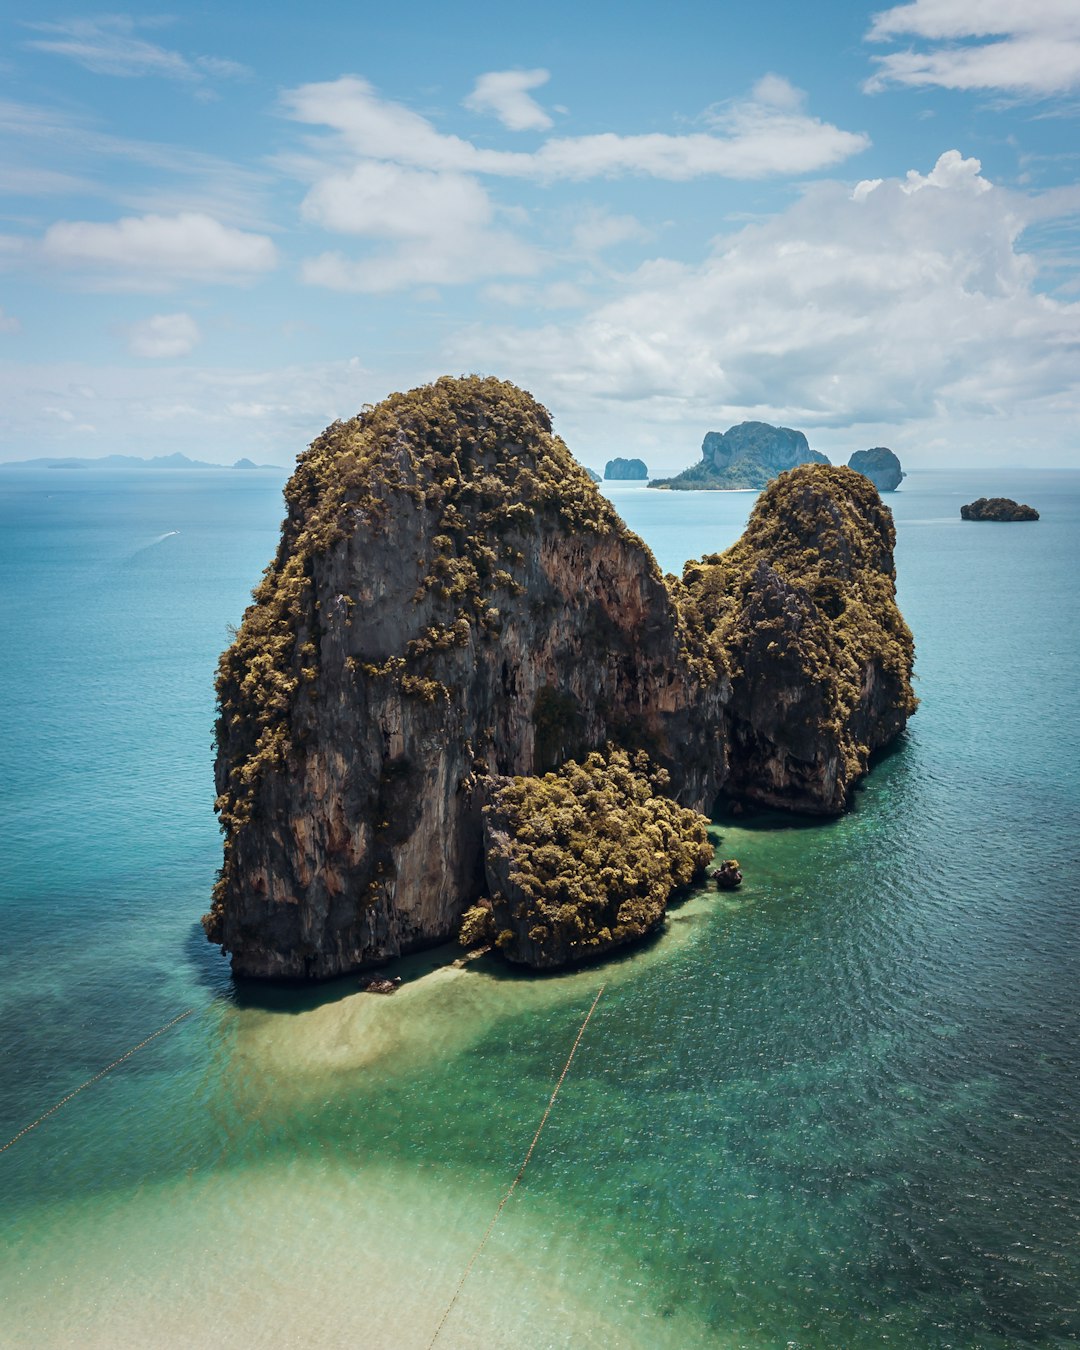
pixel 586 859
pixel 452 597
pixel 452 603
pixel 802 613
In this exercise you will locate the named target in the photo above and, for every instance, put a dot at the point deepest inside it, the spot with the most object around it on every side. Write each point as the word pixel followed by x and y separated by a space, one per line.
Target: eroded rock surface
pixel 453 601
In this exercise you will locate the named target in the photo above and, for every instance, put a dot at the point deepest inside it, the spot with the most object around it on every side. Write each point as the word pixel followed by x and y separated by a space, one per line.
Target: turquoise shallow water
pixel 839 1109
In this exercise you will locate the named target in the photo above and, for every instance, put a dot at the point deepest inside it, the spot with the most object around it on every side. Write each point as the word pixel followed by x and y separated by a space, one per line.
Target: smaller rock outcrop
pixel 997 508
pixel 749 455
pixel 584 860
pixel 801 612
pixel 728 876
pixel 880 465
pixel 593 475
pixel 634 470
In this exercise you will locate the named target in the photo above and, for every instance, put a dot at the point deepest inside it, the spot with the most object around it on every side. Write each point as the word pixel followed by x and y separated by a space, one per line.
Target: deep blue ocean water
pixel 838 1109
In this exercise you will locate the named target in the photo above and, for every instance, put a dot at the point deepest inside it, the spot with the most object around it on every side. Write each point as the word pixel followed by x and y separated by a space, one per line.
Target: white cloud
pixel 906 302
pixel 109 45
pixel 433 260
pixel 9 323
pixel 164 336
pixel 759 138
pixel 599 229
pixel 505 93
pixel 951 172
pixel 390 202
pixel 154 251
pixel 1034 51
pixel 441 228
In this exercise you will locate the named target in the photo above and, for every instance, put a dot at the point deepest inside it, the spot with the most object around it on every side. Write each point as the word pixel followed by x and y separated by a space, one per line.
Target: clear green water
pixel 839 1109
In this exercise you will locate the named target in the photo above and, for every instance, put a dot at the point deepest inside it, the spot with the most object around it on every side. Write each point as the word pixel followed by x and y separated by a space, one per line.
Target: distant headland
pixel 174 461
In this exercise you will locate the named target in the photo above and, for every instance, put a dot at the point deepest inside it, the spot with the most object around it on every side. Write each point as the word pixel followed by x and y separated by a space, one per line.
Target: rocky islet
pixel 997 508
pixel 453 604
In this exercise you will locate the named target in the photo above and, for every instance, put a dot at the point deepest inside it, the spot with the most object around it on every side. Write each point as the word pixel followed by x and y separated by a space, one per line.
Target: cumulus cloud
pixel 907 301
pixel 386 173
pixel 110 45
pixel 505 93
pixel 164 336
pixel 440 228
pixel 1030 49
pixel 391 202
pixel 754 138
pixel 155 251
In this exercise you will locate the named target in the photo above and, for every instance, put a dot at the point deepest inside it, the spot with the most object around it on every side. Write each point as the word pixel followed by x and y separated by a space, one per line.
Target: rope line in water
pixel 91 1081
pixel 520 1172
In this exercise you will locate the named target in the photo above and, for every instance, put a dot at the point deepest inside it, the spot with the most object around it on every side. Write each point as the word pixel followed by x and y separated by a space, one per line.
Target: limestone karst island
pixel 465 696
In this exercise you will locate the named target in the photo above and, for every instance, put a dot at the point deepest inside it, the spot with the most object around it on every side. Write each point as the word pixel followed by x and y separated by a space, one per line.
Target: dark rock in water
pixel 453 602
pixel 376 984
pixel 997 508
pixel 880 465
pixel 593 475
pixel 749 455
pixel 626 469
pixel 728 876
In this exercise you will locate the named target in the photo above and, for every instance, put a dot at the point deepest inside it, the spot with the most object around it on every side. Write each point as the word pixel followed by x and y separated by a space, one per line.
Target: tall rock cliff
pixel 453 601
pixel 451 598
pixel 802 611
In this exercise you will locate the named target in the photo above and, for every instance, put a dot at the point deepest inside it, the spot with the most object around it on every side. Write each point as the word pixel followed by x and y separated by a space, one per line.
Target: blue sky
pixel 223 228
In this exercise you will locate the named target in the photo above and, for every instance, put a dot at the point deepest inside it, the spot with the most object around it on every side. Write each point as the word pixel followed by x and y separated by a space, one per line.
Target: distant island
pixel 593 475
pixel 632 469
pixel 749 455
pixel 174 461
pixel 997 508
pixel 880 465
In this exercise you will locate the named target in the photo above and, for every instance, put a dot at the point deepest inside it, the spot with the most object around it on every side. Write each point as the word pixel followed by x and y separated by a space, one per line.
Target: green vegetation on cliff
pixel 805 602
pixel 475 455
pixel 453 600
pixel 585 859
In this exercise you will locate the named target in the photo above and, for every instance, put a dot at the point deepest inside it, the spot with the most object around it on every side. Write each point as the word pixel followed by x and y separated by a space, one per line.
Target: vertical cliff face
pixel 453 602
pixel 452 598
pixel 802 610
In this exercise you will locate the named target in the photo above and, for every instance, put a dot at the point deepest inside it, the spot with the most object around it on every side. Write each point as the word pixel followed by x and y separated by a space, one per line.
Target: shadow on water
pixel 206 963
pixel 294 996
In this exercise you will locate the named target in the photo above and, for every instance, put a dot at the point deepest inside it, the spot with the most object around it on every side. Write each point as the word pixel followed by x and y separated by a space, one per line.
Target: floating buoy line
pixel 96 1078
pixel 520 1173
pixel 502 1203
